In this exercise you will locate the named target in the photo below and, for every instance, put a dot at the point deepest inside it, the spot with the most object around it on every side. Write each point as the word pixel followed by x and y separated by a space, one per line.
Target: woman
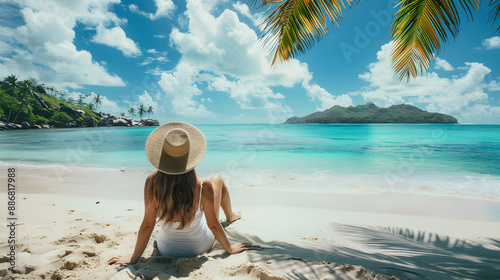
pixel 187 206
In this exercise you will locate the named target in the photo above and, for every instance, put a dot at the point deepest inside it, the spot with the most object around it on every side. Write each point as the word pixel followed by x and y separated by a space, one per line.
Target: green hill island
pixel 370 113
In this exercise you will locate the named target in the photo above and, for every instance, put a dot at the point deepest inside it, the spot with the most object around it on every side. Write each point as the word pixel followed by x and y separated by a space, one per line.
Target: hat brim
pixel 154 147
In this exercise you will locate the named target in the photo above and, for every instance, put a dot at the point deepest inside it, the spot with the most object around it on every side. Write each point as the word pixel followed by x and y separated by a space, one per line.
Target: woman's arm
pixel 145 230
pixel 214 224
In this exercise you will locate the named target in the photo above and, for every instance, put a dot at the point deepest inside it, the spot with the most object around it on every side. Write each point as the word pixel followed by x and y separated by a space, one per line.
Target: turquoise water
pixel 361 157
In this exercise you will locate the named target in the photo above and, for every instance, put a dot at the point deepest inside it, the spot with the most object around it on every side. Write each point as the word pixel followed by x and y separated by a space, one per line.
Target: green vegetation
pixel 132 112
pixel 60 119
pixel 370 113
pixel 140 110
pixel 97 101
pixel 28 101
pixel 419 27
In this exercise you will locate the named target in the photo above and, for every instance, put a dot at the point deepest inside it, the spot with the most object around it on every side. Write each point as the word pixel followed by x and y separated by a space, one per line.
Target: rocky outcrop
pixel 111 120
pixel 9 126
pixel 70 111
pixel 45 106
pixel 89 122
pixel 120 122
pixel 3 126
pixel 25 125
pixel 149 122
pixel 106 120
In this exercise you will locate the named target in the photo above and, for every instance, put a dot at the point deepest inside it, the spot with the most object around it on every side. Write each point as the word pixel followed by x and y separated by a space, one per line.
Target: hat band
pixel 174 165
pixel 175 152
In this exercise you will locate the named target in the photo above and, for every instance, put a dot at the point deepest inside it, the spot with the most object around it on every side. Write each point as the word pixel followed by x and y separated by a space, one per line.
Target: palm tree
pixel 97 101
pixel 90 107
pixel 51 88
pixel 132 111
pixel 62 95
pixel 10 84
pixel 80 100
pixel 122 114
pixel 141 110
pixel 293 26
pixel 25 88
pixel 150 111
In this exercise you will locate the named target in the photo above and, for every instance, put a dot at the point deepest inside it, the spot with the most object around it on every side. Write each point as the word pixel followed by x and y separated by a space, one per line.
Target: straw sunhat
pixel 175 147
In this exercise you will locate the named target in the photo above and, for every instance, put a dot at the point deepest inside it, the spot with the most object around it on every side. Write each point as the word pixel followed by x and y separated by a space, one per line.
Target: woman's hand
pixel 121 260
pixel 239 247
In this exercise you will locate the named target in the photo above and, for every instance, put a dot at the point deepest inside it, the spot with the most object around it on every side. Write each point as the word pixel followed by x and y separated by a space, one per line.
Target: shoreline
pixel 347 184
pixel 340 235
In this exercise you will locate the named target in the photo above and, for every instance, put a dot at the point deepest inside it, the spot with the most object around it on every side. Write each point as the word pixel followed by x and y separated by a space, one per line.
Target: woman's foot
pixel 234 217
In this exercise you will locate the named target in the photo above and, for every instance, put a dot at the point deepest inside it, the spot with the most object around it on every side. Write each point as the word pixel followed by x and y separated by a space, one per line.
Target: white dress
pixel 187 242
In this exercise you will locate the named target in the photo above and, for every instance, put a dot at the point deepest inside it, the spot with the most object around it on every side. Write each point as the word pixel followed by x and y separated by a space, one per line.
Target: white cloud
pixel 223 54
pixel 180 86
pixel 460 96
pixel 116 37
pixel 147 100
pixel 158 57
pixel 5 49
pixel 315 92
pixel 43 47
pixel 494 86
pixel 157 71
pixel 244 10
pixel 246 94
pixel 443 64
pixel 164 8
pixel 108 106
pixel 135 9
pixel 492 43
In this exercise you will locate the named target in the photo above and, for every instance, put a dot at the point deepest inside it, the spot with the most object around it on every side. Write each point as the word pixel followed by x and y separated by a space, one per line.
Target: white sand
pixel 72 220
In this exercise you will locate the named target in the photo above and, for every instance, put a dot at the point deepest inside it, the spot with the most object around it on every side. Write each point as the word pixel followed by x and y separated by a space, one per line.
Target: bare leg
pixel 222 199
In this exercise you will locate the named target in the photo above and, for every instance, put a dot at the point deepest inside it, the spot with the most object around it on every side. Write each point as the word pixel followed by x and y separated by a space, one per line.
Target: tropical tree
pixel 62 95
pixel 293 26
pixel 51 88
pixel 10 85
pixel 80 101
pixel 25 90
pixel 141 110
pixel 90 107
pixel 122 114
pixel 132 111
pixel 150 111
pixel 97 101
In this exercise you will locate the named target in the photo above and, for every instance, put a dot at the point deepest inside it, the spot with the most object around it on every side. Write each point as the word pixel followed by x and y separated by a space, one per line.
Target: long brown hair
pixel 173 194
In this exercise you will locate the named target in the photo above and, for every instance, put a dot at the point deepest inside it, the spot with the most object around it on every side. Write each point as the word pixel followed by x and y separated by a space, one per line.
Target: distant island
pixel 370 113
pixel 29 104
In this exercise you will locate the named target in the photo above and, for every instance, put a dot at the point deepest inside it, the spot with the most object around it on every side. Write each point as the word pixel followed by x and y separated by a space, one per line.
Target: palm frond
pixel 294 26
pixel 495 11
pixel 419 28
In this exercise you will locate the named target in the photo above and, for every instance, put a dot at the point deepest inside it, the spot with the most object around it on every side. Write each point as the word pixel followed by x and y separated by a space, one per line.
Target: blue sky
pixel 201 61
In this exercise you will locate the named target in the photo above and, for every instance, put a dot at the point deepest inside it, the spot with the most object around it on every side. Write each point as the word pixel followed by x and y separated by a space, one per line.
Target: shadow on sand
pixel 401 252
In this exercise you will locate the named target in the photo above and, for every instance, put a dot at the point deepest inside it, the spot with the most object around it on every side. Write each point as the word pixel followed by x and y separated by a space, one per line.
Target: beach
pixel 71 220
pixel 367 148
